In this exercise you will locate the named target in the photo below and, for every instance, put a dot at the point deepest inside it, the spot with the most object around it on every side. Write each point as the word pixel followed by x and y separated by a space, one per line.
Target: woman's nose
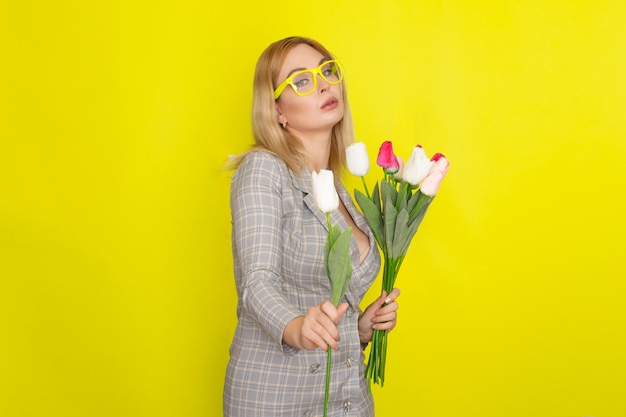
pixel 322 85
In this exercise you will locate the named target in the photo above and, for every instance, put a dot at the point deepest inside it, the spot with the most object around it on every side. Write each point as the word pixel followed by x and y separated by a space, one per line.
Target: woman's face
pixel 316 112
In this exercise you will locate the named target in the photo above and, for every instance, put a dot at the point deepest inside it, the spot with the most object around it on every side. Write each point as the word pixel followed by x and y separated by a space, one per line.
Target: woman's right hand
pixel 316 329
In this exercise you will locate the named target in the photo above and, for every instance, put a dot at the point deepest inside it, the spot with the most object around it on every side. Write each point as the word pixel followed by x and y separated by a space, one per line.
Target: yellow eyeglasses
pixel 304 82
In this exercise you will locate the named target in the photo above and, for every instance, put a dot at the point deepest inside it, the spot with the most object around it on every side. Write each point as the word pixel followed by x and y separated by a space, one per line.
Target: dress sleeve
pixel 257 212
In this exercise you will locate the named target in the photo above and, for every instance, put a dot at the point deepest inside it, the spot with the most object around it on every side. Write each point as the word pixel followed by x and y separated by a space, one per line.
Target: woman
pixel 301 123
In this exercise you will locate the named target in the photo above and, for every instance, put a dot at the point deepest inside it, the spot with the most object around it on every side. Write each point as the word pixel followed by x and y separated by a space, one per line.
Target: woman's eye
pixel 301 83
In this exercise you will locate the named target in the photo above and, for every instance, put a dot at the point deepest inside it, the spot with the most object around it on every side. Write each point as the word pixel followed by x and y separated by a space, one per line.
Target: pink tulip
pixel 387 159
pixel 430 185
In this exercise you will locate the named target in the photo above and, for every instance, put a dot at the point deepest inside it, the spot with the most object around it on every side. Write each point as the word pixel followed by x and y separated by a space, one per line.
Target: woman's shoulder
pixel 261 164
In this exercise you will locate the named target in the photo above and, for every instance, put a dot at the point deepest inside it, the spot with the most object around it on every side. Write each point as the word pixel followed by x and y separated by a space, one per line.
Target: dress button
pixel 347 406
pixel 314 368
pixel 307 413
pixel 349 362
pixel 350 312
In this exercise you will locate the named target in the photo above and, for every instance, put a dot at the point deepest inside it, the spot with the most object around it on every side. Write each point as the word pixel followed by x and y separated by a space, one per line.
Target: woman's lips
pixel 330 104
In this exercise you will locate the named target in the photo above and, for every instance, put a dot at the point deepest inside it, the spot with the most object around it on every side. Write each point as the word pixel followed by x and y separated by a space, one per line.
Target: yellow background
pixel 117 296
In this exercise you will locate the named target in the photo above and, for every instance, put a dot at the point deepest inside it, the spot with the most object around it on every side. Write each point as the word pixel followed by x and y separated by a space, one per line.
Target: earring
pixel 284 125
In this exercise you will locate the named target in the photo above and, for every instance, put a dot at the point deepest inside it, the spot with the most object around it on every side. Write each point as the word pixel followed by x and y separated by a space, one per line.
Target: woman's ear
pixel 280 117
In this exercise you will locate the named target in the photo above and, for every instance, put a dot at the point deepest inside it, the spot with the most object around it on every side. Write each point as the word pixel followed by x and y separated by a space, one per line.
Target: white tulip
pixel 357 159
pixel 417 167
pixel 324 192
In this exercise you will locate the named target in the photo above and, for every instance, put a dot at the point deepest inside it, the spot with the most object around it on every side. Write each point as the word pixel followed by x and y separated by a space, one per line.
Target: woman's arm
pixel 256 207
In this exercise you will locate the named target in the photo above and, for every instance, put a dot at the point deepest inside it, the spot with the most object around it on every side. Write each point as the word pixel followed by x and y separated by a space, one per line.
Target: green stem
pixel 367 192
pixel 385 266
pixel 378 351
pixel 422 200
pixel 403 191
pixel 330 230
pixel 383 357
pixel 329 357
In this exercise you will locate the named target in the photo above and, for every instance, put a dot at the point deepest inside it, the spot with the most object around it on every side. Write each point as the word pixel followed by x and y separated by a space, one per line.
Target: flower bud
pixel 386 158
pixel 398 175
pixel 430 185
pixel 357 159
pixel 417 167
pixel 324 192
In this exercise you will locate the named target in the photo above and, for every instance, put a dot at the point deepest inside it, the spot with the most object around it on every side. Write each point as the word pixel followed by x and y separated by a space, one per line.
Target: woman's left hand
pixel 379 317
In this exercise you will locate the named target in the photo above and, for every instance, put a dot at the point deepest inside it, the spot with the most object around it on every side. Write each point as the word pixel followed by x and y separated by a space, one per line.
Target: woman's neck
pixel 318 152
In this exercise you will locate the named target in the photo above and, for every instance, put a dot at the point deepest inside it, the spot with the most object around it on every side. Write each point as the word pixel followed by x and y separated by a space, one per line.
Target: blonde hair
pixel 268 135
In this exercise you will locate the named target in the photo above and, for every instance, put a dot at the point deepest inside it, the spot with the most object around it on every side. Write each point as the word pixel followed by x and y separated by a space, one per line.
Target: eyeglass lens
pixel 329 71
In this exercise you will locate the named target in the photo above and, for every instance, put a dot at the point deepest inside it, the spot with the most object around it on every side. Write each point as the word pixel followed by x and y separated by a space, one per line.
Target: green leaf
pixel 388 191
pixel 412 203
pixel 339 265
pixel 401 233
pixel 376 198
pixel 405 193
pixel 415 219
pixel 390 225
pixel 410 231
pixel 372 214
pixel 419 211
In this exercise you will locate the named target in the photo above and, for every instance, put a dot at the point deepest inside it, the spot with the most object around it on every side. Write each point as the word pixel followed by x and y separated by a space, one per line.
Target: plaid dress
pixel 278 236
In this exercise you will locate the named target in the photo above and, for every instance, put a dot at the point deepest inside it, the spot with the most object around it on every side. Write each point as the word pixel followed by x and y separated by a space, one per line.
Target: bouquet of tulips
pixel 394 210
pixel 336 250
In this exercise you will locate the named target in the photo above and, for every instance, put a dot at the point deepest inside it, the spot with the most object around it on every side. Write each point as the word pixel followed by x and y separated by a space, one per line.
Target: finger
pixel 328 340
pixel 325 319
pixel 318 320
pixel 328 336
pixel 388 325
pixel 380 301
pixel 341 310
pixel 331 341
pixel 316 335
pixel 328 309
pixel 384 317
pixel 395 293
pixel 334 313
pixel 388 308
pixel 317 341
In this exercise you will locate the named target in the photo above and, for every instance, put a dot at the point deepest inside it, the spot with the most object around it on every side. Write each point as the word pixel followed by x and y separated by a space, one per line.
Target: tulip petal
pixel 430 185
pixel 387 159
pixel 398 175
pixel 357 159
pixel 417 167
pixel 324 192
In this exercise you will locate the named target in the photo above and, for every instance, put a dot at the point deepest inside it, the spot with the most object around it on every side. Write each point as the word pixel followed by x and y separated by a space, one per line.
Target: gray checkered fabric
pixel 278 236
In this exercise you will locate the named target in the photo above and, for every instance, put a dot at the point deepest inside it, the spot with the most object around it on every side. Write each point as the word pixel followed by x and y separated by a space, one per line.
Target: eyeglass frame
pixel 315 71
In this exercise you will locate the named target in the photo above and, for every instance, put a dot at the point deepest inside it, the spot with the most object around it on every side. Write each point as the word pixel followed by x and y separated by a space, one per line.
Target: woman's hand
pixel 377 317
pixel 316 329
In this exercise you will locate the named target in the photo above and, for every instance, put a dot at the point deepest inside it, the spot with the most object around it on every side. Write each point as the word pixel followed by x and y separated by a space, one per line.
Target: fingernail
pixel 388 300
